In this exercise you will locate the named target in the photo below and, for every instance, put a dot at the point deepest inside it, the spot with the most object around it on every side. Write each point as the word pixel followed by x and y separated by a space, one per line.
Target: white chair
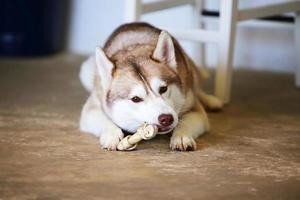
pixel 230 15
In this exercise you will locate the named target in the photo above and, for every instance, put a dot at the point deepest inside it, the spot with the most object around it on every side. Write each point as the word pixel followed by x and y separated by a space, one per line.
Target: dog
pixel 143 75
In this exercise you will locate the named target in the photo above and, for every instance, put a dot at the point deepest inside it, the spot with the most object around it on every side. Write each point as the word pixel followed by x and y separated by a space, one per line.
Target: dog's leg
pixel 190 126
pixel 94 120
pixel 209 101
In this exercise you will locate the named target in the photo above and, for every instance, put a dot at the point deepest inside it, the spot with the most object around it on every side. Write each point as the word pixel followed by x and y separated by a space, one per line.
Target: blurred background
pixel 32 27
pixel 251 152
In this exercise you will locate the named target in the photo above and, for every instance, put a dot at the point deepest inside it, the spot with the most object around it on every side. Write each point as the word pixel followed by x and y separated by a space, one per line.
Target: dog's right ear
pixel 104 67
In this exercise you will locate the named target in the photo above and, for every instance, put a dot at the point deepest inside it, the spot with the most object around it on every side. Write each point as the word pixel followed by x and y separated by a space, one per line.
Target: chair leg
pixel 132 10
pixel 297 38
pixel 227 29
pixel 199 48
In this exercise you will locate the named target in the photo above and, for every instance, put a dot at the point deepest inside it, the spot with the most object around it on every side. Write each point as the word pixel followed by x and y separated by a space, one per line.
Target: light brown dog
pixel 143 75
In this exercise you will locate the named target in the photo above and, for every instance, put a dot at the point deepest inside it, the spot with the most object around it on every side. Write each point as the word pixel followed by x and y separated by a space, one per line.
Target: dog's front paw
pixel 110 139
pixel 183 143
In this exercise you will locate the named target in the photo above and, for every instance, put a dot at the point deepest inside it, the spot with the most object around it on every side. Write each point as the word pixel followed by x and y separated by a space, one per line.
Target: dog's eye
pixel 136 99
pixel 163 89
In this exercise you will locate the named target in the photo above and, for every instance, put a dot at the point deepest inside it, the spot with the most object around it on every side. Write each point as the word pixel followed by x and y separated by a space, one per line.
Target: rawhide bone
pixel 145 132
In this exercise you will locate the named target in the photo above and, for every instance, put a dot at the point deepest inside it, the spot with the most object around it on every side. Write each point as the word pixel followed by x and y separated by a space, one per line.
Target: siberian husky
pixel 143 75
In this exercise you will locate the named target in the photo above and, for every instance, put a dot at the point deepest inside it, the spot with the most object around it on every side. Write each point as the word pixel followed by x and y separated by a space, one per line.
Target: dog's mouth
pixel 164 129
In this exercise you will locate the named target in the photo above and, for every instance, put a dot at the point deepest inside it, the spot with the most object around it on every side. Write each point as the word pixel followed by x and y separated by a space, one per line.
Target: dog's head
pixel 142 86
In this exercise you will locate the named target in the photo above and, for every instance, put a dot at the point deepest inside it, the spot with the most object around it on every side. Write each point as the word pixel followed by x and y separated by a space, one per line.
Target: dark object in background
pixel 32 27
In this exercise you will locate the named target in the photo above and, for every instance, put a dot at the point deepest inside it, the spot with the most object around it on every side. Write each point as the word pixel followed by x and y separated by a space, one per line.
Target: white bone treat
pixel 145 132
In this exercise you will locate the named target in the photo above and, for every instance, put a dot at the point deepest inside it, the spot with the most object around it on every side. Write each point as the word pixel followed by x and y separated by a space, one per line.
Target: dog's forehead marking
pixel 139 76
pixel 138 71
pixel 153 75
pixel 142 76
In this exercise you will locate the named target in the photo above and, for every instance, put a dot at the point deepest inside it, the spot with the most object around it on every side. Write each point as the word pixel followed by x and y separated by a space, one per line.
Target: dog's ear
pixel 104 67
pixel 164 50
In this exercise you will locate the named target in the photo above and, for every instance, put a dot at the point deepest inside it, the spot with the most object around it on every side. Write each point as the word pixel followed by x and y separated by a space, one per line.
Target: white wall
pixel 91 23
pixel 259 45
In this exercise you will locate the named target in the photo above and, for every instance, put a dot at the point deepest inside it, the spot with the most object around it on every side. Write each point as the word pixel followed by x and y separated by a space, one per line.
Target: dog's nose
pixel 165 119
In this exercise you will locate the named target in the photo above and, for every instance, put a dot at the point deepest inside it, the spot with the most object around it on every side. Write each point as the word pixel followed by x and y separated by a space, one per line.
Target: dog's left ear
pixel 164 50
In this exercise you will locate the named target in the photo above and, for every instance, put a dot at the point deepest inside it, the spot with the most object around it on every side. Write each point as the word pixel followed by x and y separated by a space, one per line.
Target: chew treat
pixel 145 132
